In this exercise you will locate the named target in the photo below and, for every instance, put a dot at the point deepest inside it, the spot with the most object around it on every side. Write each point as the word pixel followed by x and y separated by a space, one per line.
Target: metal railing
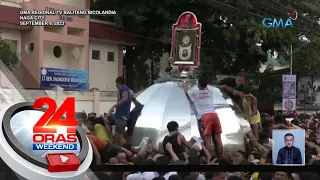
pixel 312 98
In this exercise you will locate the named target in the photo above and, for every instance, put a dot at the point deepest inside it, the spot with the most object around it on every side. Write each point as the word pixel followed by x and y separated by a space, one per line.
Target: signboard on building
pixel 289 92
pixel 65 78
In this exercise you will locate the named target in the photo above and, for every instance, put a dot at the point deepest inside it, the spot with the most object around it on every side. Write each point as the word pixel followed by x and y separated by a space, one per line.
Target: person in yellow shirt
pixel 100 131
pixel 255 176
pixel 262 176
pixel 97 128
pixel 250 107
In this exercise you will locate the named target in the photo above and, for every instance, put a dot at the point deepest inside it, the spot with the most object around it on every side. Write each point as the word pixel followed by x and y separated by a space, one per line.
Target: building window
pixel 57 51
pixel 13 44
pixel 111 56
pixel 95 55
pixel 29 47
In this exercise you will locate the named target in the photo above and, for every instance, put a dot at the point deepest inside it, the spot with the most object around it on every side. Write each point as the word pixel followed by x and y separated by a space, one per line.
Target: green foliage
pixel 307 60
pixel 8 54
pixel 230 35
pixel 282 61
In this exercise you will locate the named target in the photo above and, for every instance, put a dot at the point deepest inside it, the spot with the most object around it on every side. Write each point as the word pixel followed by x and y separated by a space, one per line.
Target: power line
pixel 267 10
pixel 233 9
pixel 287 8
pixel 220 5
pixel 232 52
pixel 159 40
pixel 316 9
pixel 274 8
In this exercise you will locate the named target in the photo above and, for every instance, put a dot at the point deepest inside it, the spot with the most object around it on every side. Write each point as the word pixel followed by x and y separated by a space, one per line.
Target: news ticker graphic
pixel 48 138
pixel 38 17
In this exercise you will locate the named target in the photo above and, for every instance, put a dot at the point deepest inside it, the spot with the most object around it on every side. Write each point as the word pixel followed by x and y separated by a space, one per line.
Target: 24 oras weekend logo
pixel 51 132
pixel 280 22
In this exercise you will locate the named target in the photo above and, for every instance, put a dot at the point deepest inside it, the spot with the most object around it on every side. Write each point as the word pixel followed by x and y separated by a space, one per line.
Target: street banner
pixel 66 78
pixel 289 93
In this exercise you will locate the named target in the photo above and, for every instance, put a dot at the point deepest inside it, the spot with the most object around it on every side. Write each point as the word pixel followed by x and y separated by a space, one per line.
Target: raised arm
pixel 125 98
pixel 311 145
pixel 143 152
pixel 183 141
pixel 254 143
pixel 231 90
pixel 186 90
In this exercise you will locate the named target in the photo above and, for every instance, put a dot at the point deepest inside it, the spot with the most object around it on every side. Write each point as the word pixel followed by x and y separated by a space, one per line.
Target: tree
pixel 283 61
pixel 306 61
pixel 306 44
pixel 8 55
pixel 231 29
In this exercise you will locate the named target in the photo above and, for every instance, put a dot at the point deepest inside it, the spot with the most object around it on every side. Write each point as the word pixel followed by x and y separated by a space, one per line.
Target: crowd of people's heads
pixel 258 151
pixel 111 149
pixel 211 176
pixel 309 88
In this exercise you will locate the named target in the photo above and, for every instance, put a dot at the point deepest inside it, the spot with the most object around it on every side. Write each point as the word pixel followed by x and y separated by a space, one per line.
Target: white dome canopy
pixel 165 102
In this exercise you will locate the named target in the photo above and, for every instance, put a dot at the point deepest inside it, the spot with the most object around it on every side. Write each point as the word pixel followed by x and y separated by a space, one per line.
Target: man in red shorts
pixel 209 123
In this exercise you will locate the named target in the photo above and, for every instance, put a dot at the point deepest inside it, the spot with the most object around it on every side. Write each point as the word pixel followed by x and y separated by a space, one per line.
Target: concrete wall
pixel 45 38
pixel 67 60
pixel 103 73
pixel 12 3
pixel 73 39
pixel 77 3
pixel 99 102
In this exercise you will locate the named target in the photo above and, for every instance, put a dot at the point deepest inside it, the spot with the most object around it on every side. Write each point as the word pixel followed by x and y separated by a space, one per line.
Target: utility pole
pixel 291 61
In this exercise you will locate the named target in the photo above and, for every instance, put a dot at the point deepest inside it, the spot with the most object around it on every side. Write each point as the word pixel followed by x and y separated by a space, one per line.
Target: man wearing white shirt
pixel 148 175
pixel 210 127
pixel 197 176
pixel 166 176
pixel 135 176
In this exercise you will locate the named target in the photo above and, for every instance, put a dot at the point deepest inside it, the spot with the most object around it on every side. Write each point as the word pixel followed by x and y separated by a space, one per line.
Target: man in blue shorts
pixel 122 107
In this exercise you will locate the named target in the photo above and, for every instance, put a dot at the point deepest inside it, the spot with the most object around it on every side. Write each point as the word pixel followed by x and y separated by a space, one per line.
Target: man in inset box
pixel 289 154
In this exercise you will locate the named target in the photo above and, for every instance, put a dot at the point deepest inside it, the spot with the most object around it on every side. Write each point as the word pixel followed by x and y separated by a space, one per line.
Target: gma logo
pixel 274 22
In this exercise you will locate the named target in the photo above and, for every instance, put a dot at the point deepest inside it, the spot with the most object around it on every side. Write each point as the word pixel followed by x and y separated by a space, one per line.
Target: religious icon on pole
pixel 186 41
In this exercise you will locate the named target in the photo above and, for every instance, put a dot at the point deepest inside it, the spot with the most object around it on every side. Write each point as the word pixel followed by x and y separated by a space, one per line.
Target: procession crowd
pixel 259 152
pixel 111 136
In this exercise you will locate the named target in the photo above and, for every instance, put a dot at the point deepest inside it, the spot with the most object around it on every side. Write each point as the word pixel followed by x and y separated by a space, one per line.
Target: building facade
pixel 83 44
